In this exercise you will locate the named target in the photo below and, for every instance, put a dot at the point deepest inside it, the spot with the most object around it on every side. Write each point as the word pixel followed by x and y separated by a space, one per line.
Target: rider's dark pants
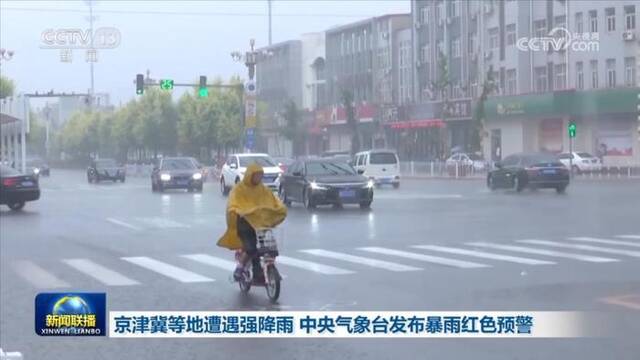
pixel 247 234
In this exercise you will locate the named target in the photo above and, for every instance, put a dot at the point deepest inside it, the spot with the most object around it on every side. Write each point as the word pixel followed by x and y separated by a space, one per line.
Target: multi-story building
pixel 537 91
pixel 360 60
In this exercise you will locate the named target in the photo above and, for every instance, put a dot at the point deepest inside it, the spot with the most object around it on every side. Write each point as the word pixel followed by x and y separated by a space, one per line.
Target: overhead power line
pixel 178 13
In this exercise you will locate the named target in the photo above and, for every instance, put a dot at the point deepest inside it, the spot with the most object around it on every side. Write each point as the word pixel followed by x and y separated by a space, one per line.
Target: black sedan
pixel 323 182
pixel 105 169
pixel 176 173
pixel 535 171
pixel 16 188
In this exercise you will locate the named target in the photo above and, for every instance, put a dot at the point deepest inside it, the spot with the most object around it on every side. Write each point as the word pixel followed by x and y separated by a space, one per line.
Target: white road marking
pixel 545 252
pixel 212 261
pixel 122 223
pixel 634 237
pixel 360 260
pixel 604 241
pixel 391 196
pixel 583 247
pixel 312 266
pixel 167 270
pixel 99 272
pixel 426 258
pixel 486 255
pixel 162 223
pixel 38 276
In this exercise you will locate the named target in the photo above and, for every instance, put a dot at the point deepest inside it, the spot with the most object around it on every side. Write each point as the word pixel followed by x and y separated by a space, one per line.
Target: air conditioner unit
pixel 488 54
pixel 628 35
pixel 448 21
pixel 488 8
pixel 474 16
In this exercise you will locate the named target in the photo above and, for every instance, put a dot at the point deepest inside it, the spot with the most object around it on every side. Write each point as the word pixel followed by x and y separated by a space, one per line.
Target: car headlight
pixel 36 171
pixel 165 177
pixel 197 176
pixel 314 186
pixel 371 184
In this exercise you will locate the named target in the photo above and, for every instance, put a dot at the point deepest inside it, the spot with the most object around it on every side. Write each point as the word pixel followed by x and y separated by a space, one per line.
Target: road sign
pixel 572 129
pixel 249 139
pixel 250 107
pixel 166 84
pixel 250 88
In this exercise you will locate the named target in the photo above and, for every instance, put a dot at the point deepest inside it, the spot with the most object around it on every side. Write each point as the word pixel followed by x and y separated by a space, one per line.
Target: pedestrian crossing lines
pixel 205 268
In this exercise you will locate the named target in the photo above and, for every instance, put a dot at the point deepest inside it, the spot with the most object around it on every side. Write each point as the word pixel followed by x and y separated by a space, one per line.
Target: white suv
pixel 236 164
pixel 581 162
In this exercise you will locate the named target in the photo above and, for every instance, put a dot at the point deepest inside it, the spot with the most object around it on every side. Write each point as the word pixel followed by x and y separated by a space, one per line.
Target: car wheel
pixel 517 183
pixel 396 185
pixel 283 196
pixel 199 189
pixel 365 205
pixel 122 179
pixel 490 183
pixel 189 189
pixel 561 189
pixel 237 180
pixel 576 170
pixel 223 188
pixel 154 188
pixel 16 206
pixel 89 180
pixel 308 202
pixel 160 187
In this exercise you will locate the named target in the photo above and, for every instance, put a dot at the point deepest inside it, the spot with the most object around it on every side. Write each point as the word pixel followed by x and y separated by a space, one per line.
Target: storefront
pixel 606 121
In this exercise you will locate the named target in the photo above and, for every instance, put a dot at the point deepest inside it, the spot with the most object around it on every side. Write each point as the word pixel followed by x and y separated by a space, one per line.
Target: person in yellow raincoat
pixel 251 205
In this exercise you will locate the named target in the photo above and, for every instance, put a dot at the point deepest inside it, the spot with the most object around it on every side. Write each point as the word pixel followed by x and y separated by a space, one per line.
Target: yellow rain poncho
pixel 256 203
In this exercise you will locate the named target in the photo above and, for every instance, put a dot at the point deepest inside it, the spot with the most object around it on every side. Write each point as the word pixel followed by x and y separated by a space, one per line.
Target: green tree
pixel 293 129
pixel 7 87
pixel 478 132
pixel 352 122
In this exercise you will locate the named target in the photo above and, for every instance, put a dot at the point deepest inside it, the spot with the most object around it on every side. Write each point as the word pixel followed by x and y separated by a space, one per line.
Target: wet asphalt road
pixel 109 224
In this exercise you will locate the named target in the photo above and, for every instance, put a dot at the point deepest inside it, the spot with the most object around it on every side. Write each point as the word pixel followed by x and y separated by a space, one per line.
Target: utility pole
pixel 92 91
pixel 269 3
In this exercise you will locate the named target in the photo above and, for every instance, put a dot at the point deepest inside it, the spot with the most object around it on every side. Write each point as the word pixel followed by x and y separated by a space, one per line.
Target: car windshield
pixel 178 164
pixel 106 163
pixel 584 155
pixel 8 171
pixel 263 161
pixel 34 162
pixel 475 157
pixel 382 158
pixel 530 160
pixel 329 168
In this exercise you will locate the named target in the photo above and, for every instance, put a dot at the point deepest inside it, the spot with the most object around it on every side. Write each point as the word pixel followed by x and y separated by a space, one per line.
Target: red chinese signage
pixel 415 124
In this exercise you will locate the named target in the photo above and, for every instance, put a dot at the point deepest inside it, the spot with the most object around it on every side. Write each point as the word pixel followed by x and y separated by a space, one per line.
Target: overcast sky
pixel 195 38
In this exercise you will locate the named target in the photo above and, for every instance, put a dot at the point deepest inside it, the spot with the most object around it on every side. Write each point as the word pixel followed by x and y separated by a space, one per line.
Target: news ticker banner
pixel 348 324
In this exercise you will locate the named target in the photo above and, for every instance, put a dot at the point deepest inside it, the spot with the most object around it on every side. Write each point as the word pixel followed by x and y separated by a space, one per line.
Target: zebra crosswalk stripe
pixel 486 255
pixel 312 266
pixel 167 270
pixel 605 241
pixel 360 260
pixel 545 252
pixel 632 237
pixel 212 261
pixel 425 258
pixel 583 247
pixel 39 277
pixel 99 272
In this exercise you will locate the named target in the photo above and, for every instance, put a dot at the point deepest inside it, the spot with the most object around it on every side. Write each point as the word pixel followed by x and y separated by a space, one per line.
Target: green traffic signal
pixel 166 84
pixel 572 130
pixel 203 92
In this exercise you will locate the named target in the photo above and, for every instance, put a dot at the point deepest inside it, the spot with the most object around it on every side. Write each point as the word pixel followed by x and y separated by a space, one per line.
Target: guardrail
pixel 440 169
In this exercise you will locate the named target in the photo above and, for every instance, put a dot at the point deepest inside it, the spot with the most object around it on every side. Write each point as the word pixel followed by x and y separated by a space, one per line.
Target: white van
pixel 382 166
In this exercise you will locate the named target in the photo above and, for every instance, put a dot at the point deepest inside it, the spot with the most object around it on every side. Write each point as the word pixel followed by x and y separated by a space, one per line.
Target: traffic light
pixel 572 129
pixel 203 90
pixel 139 84
pixel 166 84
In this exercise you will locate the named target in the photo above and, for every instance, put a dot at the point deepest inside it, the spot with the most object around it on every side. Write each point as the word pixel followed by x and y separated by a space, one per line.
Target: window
pixel 493 38
pixel 540 28
pixel 593 21
pixel 511 82
pixel 611 73
pixel 425 13
pixel 383 158
pixel 424 53
pixel 630 71
pixel 579 76
pixel 560 21
pixel 511 34
pixel 440 46
pixel 560 72
pixel 594 73
pixel 579 24
pixel 630 17
pixel 455 8
pixel 611 19
pixel 472 43
pixel 541 78
pixel 455 48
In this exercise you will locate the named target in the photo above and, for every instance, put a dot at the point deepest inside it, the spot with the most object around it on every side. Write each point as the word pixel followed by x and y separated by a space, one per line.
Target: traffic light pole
pixel 571 156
